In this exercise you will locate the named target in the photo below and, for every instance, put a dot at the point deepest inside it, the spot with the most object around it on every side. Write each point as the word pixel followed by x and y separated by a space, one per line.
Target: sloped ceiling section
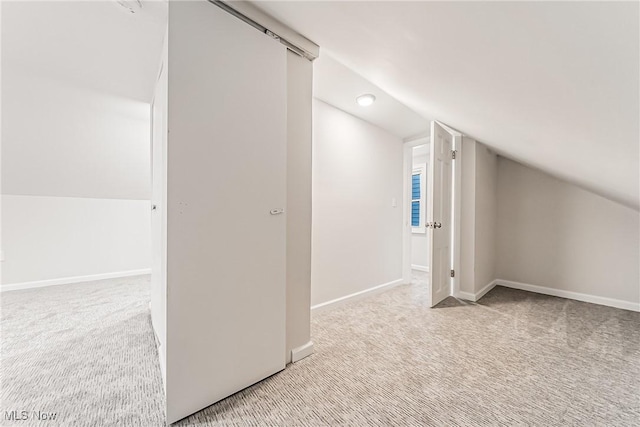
pixel 554 85
pixel 339 86
pixel 77 80
pixel 93 44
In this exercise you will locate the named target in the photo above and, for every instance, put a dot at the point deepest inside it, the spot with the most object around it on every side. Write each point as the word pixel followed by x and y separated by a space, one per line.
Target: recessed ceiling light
pixel 365 100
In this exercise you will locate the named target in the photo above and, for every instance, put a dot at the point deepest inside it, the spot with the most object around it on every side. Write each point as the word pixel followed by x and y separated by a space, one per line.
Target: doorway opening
pixel 419 248
pixel 432 200
pixel 416 258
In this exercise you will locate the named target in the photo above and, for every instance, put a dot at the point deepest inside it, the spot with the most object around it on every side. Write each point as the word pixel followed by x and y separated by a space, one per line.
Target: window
pixel 418 199
pixel 415 199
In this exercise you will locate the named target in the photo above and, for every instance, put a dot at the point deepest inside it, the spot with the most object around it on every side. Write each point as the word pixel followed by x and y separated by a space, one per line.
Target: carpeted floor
pixel 86 352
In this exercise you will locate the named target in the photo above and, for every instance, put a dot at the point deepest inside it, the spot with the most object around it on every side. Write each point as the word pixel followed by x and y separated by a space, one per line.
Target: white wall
pixel 556 235
pixel 46 238
pixel 356 233
pixel 75 180
pixel 419 250
pixel 486 216
pixel 468 217
pixel 419 241
pixel 60 139
pixel 478 218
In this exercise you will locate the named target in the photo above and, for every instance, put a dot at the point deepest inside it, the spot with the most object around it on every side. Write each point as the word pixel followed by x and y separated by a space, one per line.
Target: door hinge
pixel 453 273
pixel 453 154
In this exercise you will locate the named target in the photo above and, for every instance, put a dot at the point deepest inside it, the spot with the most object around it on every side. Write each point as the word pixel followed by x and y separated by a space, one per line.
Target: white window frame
pixel 422 170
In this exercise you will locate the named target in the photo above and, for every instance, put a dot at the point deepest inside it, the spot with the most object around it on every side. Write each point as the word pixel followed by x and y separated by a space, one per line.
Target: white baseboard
pixel 355 296
pixel 301 352
pixel 475 297
pixel 419 268
pixel 75 279
pixel 484 290
pixel 468 296
pixel 625 305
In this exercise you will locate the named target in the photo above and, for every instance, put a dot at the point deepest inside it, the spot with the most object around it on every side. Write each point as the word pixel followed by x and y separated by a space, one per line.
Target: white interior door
pixel 226 226
pixel 439 218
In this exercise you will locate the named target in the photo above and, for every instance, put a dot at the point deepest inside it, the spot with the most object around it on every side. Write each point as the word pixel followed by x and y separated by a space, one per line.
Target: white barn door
pixel 226 232
pixel 439 218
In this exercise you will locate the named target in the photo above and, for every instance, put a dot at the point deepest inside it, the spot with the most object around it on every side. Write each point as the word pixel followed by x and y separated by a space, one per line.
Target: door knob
pixel 437 225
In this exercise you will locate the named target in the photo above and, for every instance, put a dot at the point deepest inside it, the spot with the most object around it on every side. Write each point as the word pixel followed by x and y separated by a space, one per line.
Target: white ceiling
pixel 94 44
pixel 554 85
pixel 339 86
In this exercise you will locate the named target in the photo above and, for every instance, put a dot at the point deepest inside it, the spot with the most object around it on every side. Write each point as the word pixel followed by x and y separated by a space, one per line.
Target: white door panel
pixel 439 213
pixel 226 172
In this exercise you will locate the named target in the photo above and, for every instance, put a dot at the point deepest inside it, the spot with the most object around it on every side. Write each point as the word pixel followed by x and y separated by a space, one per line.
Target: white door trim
pixel 456 212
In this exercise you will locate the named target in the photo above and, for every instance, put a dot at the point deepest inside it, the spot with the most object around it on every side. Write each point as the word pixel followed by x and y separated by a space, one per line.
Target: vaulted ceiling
pixel 339 86
pixel 77 79
pixel 554 85
pixel 94 44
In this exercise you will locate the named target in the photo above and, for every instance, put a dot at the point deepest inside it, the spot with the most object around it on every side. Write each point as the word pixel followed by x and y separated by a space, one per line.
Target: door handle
pixel 437 225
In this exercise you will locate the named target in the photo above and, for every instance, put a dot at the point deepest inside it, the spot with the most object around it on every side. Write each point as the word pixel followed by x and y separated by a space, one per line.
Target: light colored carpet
pixel 84 351
pixel 516 358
